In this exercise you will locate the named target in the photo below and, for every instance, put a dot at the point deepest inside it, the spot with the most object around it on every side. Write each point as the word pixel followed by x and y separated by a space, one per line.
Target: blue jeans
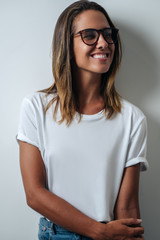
pixel 51 231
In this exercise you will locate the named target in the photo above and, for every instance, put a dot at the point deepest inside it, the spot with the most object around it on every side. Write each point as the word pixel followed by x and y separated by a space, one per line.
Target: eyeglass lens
pixel 90 36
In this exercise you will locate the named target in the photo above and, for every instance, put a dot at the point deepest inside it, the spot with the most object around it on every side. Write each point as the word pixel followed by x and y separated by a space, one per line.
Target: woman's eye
pixel 108 35
pixel 89 36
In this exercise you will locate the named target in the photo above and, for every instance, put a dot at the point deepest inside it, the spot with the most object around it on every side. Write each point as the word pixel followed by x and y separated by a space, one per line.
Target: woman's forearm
pixel 58 210
pixel 46 203
pixel 62 213
pixel 127 204
pixel 132 212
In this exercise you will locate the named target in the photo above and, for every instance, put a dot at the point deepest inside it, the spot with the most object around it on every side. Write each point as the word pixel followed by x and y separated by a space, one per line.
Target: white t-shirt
pixel 85 161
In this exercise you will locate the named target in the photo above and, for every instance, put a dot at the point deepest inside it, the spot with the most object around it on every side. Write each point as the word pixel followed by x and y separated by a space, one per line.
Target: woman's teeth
pixel 100 55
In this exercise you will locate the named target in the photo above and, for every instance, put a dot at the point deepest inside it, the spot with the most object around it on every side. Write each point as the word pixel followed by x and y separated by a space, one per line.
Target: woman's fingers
pixel 124 229
pixel 133 226
pixel 130 221
pixel 138 231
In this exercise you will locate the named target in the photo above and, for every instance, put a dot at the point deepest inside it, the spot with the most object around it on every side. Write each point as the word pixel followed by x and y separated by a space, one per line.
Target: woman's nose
pixel 101 43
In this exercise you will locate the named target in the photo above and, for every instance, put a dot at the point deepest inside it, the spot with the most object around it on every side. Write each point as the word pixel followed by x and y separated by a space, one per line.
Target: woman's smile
pixel 102 57
pixel 96 58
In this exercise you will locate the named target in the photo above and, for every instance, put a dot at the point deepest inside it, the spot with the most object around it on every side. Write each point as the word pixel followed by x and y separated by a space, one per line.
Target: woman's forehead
pixel 90 19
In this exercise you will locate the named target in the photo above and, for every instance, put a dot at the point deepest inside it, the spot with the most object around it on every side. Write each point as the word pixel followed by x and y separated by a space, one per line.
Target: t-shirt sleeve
pixel 138 145
pixel 28 126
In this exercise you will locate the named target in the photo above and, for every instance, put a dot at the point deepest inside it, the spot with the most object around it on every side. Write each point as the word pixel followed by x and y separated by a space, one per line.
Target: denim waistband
pixel 46 223
pixel 50 228
pixel 55 228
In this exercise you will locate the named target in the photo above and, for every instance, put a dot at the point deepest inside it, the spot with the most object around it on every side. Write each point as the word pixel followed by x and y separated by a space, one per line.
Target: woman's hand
pixel 123 229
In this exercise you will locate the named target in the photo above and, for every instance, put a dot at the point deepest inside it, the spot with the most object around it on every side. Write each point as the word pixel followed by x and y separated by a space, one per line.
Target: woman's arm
pixel 127 204
pixel 58 210
pixel 43 201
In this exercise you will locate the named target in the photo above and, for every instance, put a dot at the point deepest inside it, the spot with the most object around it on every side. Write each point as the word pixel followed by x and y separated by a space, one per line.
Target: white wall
pixel 26 29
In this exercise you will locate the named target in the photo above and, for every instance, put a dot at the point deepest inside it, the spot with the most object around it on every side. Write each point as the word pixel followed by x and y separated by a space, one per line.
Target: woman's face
pixel 98 57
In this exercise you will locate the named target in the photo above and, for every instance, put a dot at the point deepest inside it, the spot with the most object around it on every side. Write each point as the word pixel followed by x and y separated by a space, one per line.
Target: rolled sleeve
pixel 27 130
pixel 137 147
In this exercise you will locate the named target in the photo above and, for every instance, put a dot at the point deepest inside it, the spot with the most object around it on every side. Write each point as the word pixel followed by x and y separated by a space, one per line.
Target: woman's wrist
pixel 98 229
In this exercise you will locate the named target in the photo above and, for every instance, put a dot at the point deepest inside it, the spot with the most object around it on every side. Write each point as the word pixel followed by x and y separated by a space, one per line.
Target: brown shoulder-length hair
pixel 63 86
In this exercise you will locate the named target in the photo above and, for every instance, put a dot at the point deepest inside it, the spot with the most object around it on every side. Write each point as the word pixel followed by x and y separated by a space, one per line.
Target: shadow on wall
pixel 137 82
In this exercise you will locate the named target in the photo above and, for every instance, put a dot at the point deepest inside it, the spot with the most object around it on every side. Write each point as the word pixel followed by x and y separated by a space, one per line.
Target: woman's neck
pixel 87 86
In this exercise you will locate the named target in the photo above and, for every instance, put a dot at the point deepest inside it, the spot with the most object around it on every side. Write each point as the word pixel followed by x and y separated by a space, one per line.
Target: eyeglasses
pixel 90 36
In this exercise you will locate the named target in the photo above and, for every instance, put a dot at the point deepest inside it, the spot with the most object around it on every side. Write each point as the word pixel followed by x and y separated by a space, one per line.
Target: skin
pixel 33 170
pixel 87 70
pixel 83 54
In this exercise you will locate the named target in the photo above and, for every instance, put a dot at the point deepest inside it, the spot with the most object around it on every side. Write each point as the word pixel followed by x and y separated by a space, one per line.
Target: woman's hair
pixel 63 89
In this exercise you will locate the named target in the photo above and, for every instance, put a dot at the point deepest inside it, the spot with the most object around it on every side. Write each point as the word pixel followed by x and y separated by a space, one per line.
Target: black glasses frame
pixel 114 33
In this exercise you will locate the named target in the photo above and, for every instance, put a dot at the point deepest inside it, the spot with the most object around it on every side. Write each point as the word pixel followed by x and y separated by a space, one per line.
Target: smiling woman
pixel 82 146
pixel 93 56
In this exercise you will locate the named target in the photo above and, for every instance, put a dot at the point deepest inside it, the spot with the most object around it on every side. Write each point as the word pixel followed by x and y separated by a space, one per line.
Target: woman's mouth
pixel 101 56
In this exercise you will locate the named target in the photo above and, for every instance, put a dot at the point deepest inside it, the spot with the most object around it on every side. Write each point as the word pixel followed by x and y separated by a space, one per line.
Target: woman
pixel 81 145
